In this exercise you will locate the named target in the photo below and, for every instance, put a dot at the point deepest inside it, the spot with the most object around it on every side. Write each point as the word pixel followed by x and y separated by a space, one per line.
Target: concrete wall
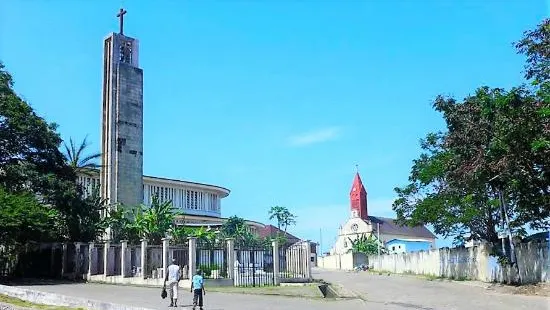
pixel 402 246
pixel 342 261
pixel 471 263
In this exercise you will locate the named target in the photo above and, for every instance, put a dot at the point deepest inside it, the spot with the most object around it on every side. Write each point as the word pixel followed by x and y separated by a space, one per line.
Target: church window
pixel 393 248
pixel 345 244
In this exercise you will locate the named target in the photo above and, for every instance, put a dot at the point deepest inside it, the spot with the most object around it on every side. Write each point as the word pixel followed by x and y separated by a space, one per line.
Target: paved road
pixel 150 298
pixel 378 292
pixel 416 293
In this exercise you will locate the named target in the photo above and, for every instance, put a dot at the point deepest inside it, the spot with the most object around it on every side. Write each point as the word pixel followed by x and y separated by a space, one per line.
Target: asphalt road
pixel 408 292
pixel 376 292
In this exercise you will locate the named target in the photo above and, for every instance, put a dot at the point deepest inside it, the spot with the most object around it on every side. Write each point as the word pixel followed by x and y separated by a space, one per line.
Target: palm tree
pixel 76 159
pixel 155 221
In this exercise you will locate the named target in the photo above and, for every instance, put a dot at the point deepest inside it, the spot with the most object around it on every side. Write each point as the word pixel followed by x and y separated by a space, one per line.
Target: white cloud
pixel 316 136
pixel 312 221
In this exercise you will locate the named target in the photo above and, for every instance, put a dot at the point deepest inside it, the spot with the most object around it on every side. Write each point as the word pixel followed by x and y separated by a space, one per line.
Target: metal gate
pixel 254 266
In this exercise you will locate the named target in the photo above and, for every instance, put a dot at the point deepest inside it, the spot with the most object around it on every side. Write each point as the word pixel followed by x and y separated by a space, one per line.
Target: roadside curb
pixel 62 300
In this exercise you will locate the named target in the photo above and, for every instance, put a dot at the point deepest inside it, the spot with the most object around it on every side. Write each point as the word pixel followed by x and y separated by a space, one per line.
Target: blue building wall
pixel 410 246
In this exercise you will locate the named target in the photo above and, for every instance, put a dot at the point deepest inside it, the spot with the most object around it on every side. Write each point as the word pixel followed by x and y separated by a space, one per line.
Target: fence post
pixel 52 259
pixel 63 259
pixel 165 248
pixel 192 256
pixel 123 266
pixel 76 260
pixel 230 257
pixel 90 259
pixel 308 259
pixel 144 258
pixel 107 245
pixel 276 273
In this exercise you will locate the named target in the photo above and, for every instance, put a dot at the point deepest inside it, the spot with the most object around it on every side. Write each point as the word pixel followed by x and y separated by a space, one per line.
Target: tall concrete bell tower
pixel 122 120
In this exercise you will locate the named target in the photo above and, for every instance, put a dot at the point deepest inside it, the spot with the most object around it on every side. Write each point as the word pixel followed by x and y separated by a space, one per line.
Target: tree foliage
pixel 23 218
pixel 31 162
pixel 368 245
pixel 76 158
pixel 283 216
pixel 535 45
pixel 496 141
pixel 155 221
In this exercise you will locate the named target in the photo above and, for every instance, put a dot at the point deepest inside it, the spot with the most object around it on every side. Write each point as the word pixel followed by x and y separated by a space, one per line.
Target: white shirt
pixel 173 273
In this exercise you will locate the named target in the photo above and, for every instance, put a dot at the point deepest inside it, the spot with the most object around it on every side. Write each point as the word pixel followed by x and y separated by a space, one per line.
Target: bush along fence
pixel 144 264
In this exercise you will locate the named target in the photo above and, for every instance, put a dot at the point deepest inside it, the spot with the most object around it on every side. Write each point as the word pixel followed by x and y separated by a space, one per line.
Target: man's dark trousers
pixel 197 297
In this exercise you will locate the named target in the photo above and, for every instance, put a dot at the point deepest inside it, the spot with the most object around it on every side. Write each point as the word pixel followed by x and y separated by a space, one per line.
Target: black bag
pixel 163 293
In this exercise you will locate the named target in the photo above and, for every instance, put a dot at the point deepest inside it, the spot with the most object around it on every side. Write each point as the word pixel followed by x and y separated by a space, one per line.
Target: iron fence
pixel 211 259
pixel 135 261
pixel 154 261
pixel 31 260
pixel 99 260
pixel 253 266
pixel 180 253
pixel 116 253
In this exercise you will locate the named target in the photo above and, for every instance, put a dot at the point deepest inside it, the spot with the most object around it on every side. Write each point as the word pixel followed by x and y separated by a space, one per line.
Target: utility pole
pixel 320 242
pixel 378 234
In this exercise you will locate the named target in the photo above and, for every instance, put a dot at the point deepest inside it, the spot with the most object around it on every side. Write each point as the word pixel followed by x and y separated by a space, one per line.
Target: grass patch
pixel 26 304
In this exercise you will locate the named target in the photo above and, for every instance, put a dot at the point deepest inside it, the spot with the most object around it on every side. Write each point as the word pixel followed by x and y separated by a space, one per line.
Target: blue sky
pixel 276 100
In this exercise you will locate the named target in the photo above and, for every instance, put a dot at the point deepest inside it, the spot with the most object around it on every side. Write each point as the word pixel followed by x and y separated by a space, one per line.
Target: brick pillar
pixel 230 256
pixel 308 259
pixel 63 259
pixel 144 258
pixel 123 265
pixel 165 249
pixel 276 273
pixel 192 256
pixel 107 245
pixel 91 262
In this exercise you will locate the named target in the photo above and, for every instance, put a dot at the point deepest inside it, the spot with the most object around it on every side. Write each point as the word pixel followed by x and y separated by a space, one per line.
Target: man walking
pixel 197 288
pixel 172 277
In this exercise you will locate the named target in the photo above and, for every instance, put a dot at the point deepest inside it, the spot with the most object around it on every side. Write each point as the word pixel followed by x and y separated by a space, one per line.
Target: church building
pixel 395 238
pixel 120 178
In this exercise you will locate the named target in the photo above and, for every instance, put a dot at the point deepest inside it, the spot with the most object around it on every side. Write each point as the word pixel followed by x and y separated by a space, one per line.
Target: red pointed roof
pixel 357 183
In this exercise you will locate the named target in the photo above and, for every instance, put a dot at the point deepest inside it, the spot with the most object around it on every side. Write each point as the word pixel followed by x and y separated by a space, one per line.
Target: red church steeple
pixel 358 198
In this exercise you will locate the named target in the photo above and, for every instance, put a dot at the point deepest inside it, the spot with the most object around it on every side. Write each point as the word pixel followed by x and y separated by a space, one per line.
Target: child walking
pixel 197 288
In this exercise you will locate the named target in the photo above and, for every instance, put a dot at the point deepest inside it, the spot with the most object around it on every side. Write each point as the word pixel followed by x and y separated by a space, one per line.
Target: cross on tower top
pixel 120 15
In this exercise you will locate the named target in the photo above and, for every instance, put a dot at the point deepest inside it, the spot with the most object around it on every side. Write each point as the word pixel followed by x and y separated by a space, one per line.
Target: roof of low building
pixel 388 226
pixel 272 231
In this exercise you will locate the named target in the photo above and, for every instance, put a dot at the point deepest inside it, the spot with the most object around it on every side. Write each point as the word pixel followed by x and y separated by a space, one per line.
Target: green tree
pixel 535 44
pixel 154 222
pixel 29 156
pixel 496 142
pixel 488 148
pixel 365 244
pixel 24 218
pixel 283 216
pixel 31 161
